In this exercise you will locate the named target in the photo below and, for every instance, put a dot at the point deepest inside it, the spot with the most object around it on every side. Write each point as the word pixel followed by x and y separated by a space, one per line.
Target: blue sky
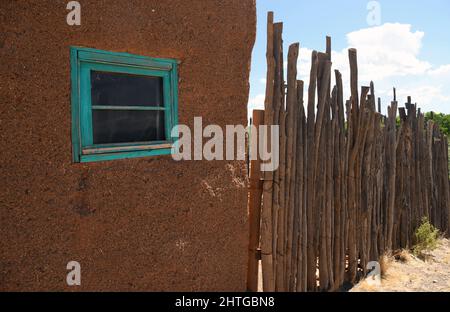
pixel 409 48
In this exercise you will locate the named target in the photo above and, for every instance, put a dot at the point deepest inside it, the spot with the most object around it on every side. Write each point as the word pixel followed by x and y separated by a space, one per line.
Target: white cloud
pixel 257 102
pixel 425 96
pixel 389 55
pixel 263 81
pixel 389 50
pixel 440 71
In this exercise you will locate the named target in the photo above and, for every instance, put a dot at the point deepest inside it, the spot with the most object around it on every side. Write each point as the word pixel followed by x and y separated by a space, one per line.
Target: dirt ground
pixel 413 274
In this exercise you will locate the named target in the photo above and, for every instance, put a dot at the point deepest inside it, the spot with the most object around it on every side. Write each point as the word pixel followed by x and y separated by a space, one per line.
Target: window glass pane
pixel 127 126
pixel 116 89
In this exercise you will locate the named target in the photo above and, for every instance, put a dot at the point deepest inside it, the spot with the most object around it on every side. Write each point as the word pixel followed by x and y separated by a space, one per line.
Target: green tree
pixel 441 119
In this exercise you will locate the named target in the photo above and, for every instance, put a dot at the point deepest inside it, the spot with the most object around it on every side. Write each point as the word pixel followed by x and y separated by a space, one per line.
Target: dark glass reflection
pixel 116 89
pixel 127 126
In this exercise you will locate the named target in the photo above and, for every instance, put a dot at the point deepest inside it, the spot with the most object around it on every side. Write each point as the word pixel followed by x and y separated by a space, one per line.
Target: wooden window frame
pixel 83 61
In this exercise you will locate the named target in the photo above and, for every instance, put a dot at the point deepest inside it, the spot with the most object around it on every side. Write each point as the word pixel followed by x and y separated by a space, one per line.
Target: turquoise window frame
pixel 83 61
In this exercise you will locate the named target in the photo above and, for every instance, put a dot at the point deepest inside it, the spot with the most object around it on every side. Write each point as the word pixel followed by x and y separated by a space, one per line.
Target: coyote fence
pixel 352 184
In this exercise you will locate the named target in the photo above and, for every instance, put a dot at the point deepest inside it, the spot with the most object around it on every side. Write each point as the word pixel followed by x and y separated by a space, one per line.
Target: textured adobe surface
pixel 142 224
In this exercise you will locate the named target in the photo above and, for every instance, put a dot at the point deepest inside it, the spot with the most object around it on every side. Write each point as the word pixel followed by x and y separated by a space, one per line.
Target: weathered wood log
pixel 446 183
pixel 292 107
pixel 434 203
pixel 414 217
pixel 430 129
pixel 266 214
pixel 335 184
pixel 282 213
pixel 254 205
pixel 367 198
pixel 310 192
pixel 299 251
pixel 329 176
pixel 378 164
pixel 363 127
pixel 321 206
pixel 320 163
pixel 301 181
pixel 329 202
pixel 420 174
pixel 279 176
pixel 340 189
pixel 353 123
pixel 390 171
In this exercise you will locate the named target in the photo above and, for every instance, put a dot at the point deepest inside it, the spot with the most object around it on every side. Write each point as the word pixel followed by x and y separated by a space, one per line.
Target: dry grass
pixel 403 256
pixel 407 273
pixel 385 262
pixel 401 271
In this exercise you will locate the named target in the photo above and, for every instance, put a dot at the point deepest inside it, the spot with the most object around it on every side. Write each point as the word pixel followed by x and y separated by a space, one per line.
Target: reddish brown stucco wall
pixel 142 224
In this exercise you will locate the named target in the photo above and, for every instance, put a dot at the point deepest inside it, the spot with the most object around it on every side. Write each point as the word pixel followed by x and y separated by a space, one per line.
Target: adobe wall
pixel 141 224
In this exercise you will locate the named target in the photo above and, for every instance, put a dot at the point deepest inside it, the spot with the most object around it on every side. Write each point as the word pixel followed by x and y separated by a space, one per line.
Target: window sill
pixel 105 154
pixel 118 149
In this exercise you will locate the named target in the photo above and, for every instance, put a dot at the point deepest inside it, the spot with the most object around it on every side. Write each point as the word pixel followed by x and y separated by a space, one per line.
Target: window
pixel 123 105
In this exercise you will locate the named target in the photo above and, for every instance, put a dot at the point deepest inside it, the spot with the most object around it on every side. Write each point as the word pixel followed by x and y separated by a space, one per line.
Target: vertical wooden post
pixel 266 214
pixel 255 196
pixel 300 200
pixel 352 183
pixel 279 207
pixel 391 173
pixel 292 107
pixel 340 185
pixel 310 193
pixel 446 183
